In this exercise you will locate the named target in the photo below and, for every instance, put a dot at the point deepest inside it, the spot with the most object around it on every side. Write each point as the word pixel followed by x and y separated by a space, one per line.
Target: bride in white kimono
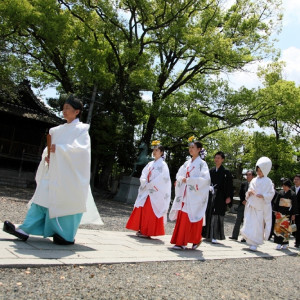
pixel 63 193
pixel 258 210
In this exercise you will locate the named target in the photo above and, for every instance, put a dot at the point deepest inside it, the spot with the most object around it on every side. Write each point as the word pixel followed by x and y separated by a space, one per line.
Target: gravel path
pixel 257 278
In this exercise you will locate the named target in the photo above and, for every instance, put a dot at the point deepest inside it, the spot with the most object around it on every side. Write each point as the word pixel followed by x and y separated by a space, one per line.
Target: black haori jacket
pixel 222 180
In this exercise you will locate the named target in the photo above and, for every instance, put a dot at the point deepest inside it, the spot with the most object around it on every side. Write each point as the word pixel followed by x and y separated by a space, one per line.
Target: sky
pixel 288 43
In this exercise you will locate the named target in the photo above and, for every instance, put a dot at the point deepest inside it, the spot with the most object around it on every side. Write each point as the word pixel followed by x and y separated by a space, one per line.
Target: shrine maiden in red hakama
pixel 153 200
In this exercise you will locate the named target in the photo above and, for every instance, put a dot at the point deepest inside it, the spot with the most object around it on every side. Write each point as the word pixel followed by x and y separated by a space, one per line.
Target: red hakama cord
pixel 185 231
pixel 144 220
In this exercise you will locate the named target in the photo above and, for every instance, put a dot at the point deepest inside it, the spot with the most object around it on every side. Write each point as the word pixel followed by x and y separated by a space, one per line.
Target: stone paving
pixel 107 247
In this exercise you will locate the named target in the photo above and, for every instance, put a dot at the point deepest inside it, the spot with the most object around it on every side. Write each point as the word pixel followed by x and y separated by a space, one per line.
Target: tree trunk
pixel 94 169
pixel 149 129
pixel 105 175
pixel 90 114
pixel 151 121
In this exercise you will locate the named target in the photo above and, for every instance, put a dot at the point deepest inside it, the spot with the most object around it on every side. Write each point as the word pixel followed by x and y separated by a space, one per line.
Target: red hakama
pixel 144 220
pixel 185 231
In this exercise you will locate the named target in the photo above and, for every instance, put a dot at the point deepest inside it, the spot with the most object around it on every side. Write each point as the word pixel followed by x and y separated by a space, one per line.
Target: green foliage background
pixel 174 50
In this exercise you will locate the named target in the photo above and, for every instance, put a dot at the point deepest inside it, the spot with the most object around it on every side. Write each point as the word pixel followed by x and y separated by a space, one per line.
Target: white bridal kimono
pixel 194 193
pixel 155 183
pixel 63 186
pixel 258 211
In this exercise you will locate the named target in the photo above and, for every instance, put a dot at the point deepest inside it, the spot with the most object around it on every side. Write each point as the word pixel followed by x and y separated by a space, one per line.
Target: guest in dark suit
pixel 240 211
pixel 296 189
pixel 220 197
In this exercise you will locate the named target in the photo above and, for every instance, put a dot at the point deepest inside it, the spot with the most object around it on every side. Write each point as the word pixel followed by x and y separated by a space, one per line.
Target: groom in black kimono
pixel 220 196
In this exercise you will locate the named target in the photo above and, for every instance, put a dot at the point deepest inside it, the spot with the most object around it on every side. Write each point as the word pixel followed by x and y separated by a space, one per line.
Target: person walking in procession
pixel 258 210
pixel 221 195
pixel 296 189
pixel 149 215
pixel 63 193
pixel 191 195
pixel 274 200
pixel 285 209
pixel 241 208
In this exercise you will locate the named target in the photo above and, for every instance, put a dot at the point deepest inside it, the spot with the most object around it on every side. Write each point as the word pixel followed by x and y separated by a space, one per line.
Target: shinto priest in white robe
pixel 63 186
pixel 258 211
pixel 194 193
pixel 155 183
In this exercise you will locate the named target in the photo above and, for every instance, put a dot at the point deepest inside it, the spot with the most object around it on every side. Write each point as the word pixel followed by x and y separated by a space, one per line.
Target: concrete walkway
pixel 105 247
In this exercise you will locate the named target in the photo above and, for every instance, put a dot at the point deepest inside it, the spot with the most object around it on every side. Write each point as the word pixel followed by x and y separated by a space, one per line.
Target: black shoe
pixel 11 229
pixel 58 240
pixel 243 240
pixel 233 238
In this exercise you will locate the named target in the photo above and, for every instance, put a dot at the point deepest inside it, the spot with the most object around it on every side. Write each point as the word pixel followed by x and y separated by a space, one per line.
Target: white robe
pixel 258 211
pixel 63 186
pixel 194 193
pixel 158 187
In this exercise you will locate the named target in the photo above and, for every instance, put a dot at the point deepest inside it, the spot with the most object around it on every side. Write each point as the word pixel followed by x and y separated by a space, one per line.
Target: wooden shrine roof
pixel 27 105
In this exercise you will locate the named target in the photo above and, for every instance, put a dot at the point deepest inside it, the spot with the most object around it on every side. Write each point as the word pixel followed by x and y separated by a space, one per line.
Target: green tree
pixel 175 41
pixel 281 100
pixel 59 48
pixel 211 108
pixel 124 47
pixel 283 154
pixel 40 31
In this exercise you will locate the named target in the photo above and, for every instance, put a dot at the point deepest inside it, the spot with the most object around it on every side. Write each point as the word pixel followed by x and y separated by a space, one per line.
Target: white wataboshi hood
pixel 265 164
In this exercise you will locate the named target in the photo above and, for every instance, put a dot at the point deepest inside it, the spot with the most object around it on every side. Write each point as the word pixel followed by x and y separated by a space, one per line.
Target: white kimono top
pixel 63 186
pixel 260 186
pixel 194 193
pixel 155 183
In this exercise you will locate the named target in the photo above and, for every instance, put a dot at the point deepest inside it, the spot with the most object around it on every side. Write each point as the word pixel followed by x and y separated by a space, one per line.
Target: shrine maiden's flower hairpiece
pixel 192 139
pixel 155 143
pixel 203 152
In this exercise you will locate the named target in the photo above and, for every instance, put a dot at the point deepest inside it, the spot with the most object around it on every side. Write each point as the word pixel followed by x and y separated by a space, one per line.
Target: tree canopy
pixel 113 51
